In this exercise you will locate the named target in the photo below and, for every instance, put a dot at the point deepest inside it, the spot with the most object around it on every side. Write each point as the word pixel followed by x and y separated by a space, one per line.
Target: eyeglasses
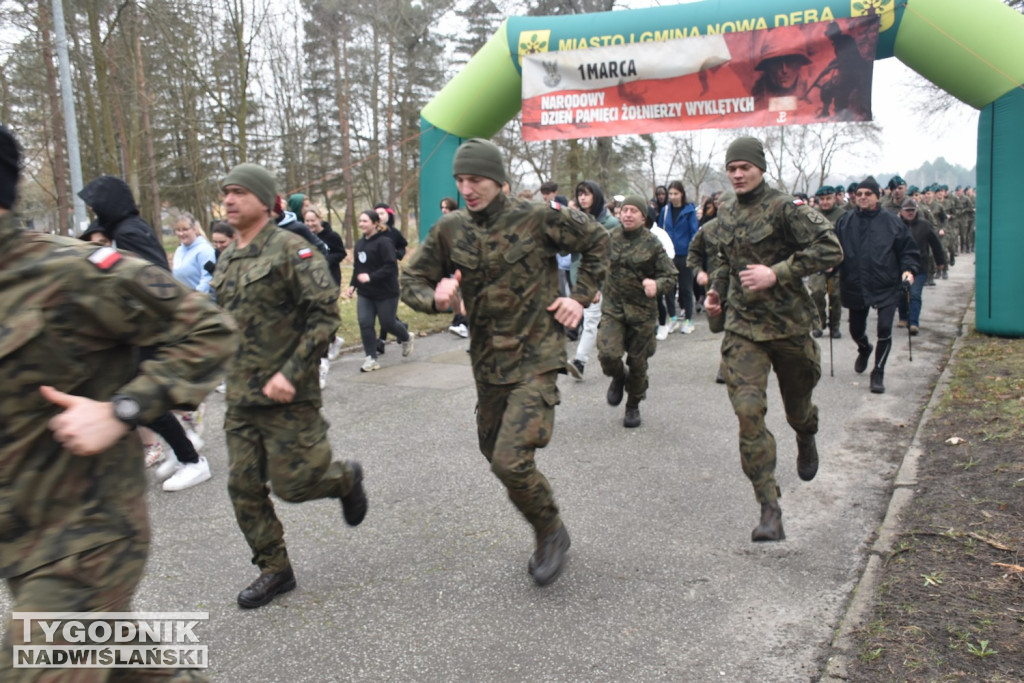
pixel 864 193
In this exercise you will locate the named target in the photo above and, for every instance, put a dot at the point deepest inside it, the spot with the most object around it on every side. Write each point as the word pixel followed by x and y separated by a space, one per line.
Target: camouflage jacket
pixel 772 228
pixel 71 316
pixel 635 255
pixel 506 254
pixel 284 301
pixel 835 213
pixel 705 248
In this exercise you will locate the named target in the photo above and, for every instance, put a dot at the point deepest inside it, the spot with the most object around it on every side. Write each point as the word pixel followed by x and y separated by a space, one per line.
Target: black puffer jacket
pixel 111 200
pixel 375 256
pixel 877 250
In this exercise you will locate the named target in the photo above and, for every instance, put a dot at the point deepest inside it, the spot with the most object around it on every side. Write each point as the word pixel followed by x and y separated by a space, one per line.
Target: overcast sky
pixel 907 142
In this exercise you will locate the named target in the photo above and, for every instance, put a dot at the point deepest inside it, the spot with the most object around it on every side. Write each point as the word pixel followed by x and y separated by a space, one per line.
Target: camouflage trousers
pixel 617 337
pixel 286 446
pixel 102 579
pixel 797 364
pixel 512 421
pixel 818 285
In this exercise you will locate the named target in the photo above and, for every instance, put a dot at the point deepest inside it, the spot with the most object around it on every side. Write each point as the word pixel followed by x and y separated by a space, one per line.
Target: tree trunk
pixel 60 182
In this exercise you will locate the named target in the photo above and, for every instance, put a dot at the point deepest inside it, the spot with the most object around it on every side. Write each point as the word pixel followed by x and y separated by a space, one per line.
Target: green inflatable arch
pixel 974 50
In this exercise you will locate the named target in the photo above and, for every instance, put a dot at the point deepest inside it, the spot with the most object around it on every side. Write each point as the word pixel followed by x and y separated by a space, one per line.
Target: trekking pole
pixel 910 337
pixel 828 289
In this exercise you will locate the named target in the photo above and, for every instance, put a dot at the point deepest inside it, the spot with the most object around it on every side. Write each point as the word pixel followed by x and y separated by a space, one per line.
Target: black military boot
pixel 615 389
pixel 266 587
pixel 720 377
pixel 835 333
pixel 864 350
pixel 632 418
pixel 354 504
pixel 806 456
pixel 770 528
pixel 547 560
pixel 877 381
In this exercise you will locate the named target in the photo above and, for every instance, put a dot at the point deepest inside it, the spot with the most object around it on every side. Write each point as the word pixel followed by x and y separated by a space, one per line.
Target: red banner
pixel 808 73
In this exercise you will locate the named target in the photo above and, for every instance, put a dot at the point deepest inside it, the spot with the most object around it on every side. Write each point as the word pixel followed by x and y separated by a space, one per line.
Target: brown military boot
pixel 770 528
pixel 546 562
pixel 806 456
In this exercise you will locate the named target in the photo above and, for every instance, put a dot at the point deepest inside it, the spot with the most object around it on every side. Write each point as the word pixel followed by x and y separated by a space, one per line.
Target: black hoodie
pixel 111 200
pixel 597 210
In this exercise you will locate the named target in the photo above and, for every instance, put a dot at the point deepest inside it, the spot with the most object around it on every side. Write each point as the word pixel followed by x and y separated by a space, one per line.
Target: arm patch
pixel 105 258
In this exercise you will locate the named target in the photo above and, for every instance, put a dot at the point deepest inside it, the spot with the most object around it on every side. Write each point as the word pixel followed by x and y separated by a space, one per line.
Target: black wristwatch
pixel 126 409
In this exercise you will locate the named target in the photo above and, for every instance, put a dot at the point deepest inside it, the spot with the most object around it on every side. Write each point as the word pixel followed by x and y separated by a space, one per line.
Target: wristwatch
pixel 126 409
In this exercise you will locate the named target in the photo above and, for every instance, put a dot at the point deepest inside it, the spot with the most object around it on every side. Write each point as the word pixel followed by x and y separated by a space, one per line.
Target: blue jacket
pixel 682 229
pixel 189 264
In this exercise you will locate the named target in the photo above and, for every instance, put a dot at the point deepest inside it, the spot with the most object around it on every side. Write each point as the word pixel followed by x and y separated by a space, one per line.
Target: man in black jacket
pixel 878 253
pixel 925 237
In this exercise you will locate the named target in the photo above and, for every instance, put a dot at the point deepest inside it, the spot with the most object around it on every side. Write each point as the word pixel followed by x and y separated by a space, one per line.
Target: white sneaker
pixel 662 334
pixel 370 364
pixel 188 475
pixel 686 327
pixel 407 345
pixel 167 468
pixel 673 325
pixel 154 453
pixel 334 350
pixel 460 330
pixel 325 367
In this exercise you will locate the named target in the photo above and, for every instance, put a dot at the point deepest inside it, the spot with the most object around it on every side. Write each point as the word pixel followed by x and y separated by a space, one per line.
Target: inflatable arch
pixel 972 49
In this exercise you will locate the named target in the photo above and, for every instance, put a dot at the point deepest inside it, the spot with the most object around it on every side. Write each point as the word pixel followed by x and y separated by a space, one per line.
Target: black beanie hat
pixel 746 149
pixel 480 157
pixel 871 184
pixel 10 168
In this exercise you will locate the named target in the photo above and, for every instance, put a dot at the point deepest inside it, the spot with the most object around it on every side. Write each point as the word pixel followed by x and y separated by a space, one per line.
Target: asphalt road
pixel 662 582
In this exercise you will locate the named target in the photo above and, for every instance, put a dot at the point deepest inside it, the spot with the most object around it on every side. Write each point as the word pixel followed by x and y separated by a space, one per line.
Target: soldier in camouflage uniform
pixel 704 249
pixel 281 294
pixel 893 202
pixel 502 252
pixel 771 242
pixel 639 270
pixel 825 287
pixel 73 530
pixel 971 216
pixel 952 229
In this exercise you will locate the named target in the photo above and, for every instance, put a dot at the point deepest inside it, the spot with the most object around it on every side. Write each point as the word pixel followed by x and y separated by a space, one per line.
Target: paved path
pixel 662 583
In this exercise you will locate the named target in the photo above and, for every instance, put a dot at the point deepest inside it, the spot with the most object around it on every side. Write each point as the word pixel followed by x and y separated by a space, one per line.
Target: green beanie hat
pixel 746 149
pixel 295 203
pixel 256 179
pixel 480 157
pixel 637 201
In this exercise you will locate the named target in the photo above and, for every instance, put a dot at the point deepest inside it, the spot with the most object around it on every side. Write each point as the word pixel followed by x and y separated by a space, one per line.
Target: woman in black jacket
pixel 375 277
pixel 322 229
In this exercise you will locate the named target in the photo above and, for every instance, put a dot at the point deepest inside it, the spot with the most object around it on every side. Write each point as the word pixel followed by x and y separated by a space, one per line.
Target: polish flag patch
pixel 798 202
pixel 104 258
pixel 555 205
pixel 305 253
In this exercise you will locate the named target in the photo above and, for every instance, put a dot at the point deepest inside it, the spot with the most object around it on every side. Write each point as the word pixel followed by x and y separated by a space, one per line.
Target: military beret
pixel 825 189
pixel 895 182
pixel 852 187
